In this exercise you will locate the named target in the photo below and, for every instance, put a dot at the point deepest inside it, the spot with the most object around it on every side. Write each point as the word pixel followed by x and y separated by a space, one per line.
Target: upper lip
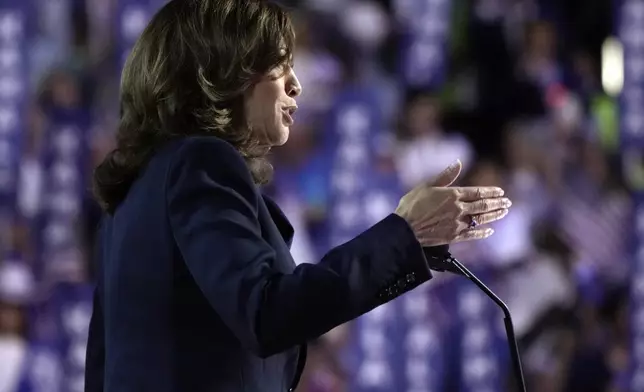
pixel 291 109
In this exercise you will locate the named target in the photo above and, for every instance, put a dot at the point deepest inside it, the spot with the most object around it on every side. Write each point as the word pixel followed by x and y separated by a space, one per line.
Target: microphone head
pixel 439 259
pixel 440 250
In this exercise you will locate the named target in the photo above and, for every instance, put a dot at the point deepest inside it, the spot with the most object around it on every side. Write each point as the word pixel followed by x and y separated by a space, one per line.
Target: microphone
pixel 439 259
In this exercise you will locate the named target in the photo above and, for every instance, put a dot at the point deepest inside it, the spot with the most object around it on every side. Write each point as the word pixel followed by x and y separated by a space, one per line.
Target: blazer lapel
pixel 281 221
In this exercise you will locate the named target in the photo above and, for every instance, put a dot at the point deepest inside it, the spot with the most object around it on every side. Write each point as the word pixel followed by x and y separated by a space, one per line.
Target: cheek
pixel 263 102
pixel 269 91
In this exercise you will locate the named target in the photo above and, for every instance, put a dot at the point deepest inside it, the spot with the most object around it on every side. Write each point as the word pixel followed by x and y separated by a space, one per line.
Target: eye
pixel 275 73
pixel 279 71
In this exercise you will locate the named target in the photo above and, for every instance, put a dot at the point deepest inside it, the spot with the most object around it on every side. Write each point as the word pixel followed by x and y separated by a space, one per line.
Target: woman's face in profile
pixel 270 105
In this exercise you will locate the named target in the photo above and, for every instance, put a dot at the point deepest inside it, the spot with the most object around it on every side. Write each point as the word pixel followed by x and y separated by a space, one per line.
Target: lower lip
pixel 288 118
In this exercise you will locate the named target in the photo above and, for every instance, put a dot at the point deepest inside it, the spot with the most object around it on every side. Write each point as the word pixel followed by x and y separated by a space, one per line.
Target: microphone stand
pixel 509 327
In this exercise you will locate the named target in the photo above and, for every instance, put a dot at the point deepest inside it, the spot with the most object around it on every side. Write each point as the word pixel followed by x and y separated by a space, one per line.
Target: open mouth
pixel 288 114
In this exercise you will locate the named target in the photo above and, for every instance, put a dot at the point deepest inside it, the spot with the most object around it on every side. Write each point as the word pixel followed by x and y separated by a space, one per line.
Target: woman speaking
pixel 197 290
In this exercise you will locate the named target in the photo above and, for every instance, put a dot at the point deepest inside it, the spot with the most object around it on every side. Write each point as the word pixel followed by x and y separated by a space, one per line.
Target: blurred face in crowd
pixel 36 125
pixel 518 150
pixel 584 67
pixel 17 238
pixel 65 91
pixel 487 174
pixel 270 105
pixel 11 319
pixel 595 163
pixel 541 40
pixel 422 116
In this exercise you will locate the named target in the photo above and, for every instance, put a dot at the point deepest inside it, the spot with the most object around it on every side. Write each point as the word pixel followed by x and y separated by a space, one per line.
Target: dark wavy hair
pixel 186 75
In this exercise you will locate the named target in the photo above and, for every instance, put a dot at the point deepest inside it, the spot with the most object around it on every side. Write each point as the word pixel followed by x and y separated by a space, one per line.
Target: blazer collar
pixel 281 221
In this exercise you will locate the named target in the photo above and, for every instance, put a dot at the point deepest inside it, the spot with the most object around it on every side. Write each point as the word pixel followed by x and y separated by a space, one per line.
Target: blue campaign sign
pixel 412 325
pixel 353 122
pixel 399 347
pixel 58 341
pixel 630 22
pixel 480 361
pixel 132 18
pixel 419 338
pixel 395 347
pixel 637 297
pixel 74 310
pixel 630 30
pixel 13 94
pixel 43 370
pixel 65 164
pixel 427 23
pixel 418 330
pixel 372 351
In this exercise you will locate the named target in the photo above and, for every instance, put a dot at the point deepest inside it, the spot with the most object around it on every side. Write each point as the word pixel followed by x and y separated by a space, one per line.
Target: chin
pixel 282 136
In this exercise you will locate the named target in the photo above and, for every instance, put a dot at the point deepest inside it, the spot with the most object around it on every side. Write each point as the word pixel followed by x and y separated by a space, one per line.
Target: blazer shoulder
pixel 210 162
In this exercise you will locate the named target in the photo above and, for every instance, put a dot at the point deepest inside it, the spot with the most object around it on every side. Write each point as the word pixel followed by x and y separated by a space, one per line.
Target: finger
pixel 479 192
pixel 486 205
pixel 483 219
pixel 473 235
pixel 449 175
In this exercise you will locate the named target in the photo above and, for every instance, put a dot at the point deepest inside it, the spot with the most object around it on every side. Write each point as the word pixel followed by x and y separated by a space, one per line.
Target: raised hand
pixel 440 214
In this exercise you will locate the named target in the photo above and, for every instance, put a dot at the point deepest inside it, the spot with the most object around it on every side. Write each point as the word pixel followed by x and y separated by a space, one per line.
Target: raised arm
pixel 213 210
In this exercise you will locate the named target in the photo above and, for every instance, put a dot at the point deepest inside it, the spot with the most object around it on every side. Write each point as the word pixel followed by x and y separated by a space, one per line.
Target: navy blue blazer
pixel 197 290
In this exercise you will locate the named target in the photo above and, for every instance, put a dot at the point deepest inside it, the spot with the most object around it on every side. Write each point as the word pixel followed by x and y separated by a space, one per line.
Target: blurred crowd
pixel 520 102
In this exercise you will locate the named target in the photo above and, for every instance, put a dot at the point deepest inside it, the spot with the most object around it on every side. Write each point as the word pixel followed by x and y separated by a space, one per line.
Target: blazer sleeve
pixel 213 212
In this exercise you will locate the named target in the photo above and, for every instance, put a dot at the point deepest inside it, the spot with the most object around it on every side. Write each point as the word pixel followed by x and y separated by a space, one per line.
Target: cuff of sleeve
pixel 407 263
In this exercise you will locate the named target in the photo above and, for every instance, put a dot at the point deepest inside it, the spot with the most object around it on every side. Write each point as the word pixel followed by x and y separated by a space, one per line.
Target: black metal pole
pixel 509 327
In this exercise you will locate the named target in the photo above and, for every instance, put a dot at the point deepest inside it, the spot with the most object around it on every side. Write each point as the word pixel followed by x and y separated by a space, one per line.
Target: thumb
pixel 449 175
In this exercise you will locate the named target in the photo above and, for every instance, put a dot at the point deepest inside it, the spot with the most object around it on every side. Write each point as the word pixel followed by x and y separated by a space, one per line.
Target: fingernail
pixel 454 165
pixel 507 203
pixel 489 232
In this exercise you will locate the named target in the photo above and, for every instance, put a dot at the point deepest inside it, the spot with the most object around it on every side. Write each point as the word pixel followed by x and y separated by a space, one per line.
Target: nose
pixel 294 88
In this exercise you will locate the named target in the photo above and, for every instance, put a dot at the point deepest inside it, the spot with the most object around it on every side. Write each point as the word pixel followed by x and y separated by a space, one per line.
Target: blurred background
pixel 542 97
